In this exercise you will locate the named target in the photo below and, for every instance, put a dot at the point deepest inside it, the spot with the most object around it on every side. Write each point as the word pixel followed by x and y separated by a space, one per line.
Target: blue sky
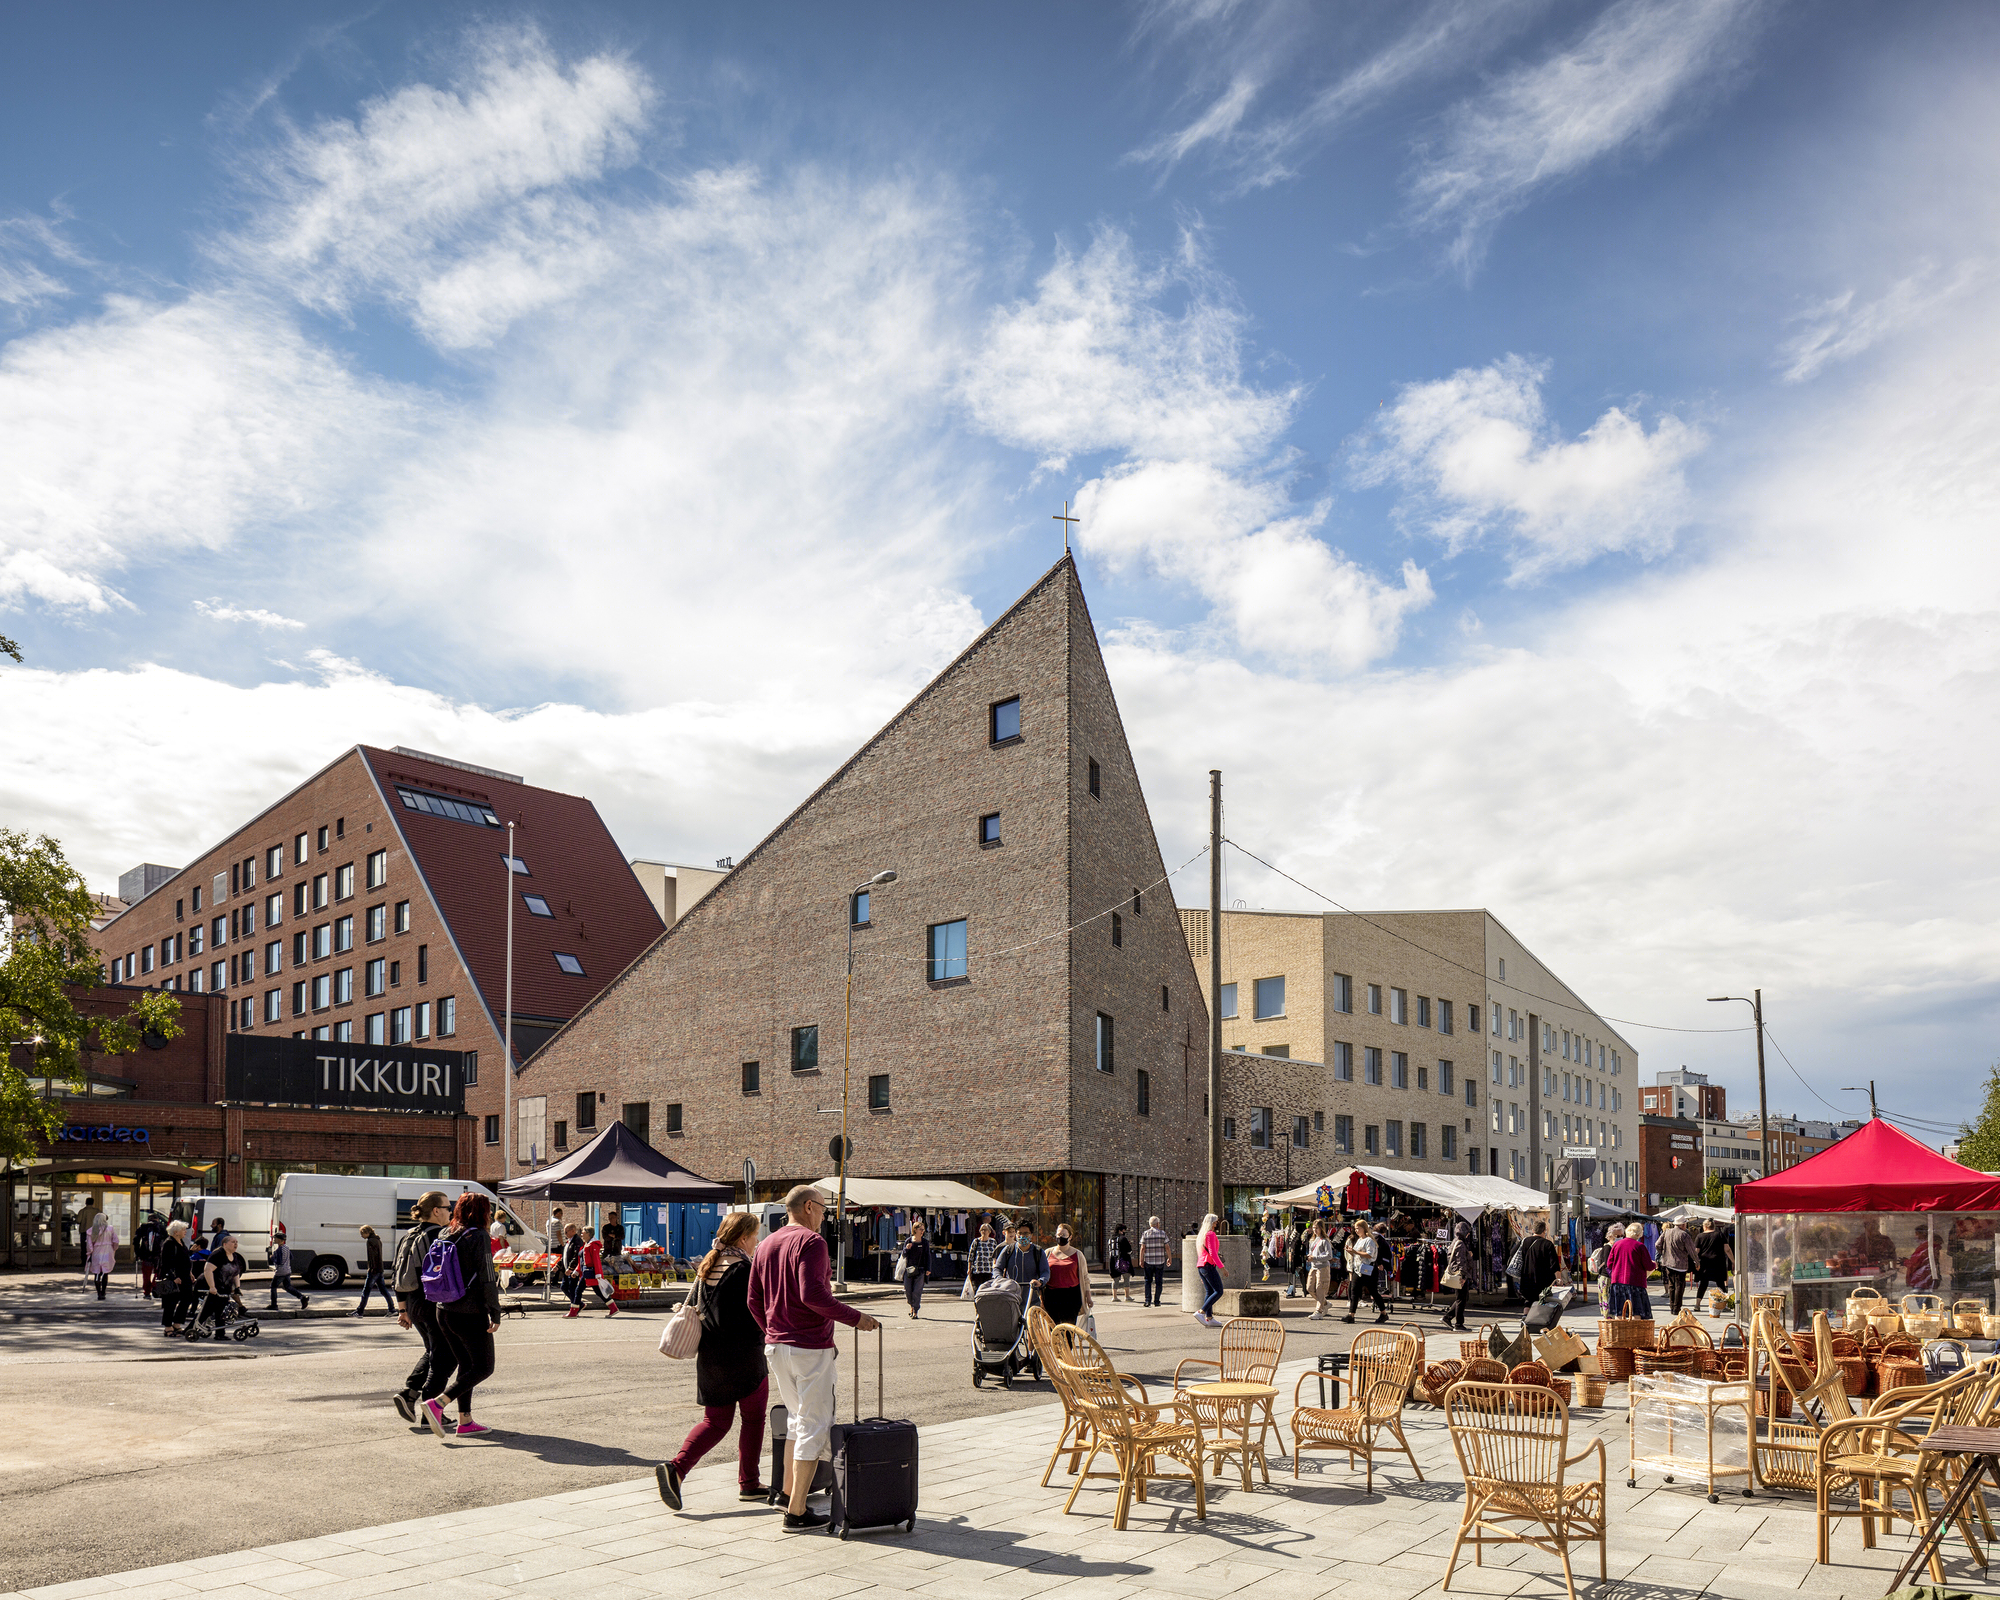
pixel 1542 453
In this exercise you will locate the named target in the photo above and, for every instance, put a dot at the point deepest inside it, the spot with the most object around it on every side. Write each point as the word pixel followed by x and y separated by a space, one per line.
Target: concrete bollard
pixel 1235 1267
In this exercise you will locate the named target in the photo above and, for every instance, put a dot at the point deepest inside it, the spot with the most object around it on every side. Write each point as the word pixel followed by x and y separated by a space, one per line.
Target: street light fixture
pixel 1755 1001
pixel 1855 1088
pixel 846 1059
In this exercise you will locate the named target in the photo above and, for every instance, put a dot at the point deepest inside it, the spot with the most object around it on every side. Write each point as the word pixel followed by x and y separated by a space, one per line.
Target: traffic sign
pixel 1575 1151
pixel 833 1150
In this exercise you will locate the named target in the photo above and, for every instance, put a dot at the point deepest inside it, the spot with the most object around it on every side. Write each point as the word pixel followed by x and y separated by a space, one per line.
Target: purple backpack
pixel 443 1277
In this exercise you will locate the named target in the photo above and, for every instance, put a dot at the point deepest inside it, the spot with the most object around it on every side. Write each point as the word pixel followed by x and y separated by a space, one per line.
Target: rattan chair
pixel 1785 1450
pixel 1136 1436
pixel 1055 1343
pixel 1249 1351
pixel 1381 1366
pixel 1877 1457
pixel 1513 1448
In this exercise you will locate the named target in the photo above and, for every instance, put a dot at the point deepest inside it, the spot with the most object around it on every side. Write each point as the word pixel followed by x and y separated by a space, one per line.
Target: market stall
pixel 617 1168
pixel 880 1210
pixel 1418 1205
pixel 1877 1211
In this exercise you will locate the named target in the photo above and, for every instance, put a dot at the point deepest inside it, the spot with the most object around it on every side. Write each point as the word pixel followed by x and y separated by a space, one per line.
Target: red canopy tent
pixel 1876 1168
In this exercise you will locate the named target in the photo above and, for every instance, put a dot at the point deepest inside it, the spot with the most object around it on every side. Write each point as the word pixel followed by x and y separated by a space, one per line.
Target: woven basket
pixel 1885 1322
pixel 1647 1363
pixel 1965 1318
pixel 1483 1369
pixel 1854 1375
pixel 1616 1360
pixel 1732 1365
pixel 1686 1336
pixel 1626 1333
pixel 1472 1350
pixel 1860 1306
pixel 1923 1326
pixel 1437 1378
pixel 1589 1391
pixel 1561 1386
pixel 1764 1398
pixel 1989 1323
pixel 1898 1372
pixel 1530 1372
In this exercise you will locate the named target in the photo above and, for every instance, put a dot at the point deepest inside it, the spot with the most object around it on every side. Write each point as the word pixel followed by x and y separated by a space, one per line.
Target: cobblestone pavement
pixel 987 1530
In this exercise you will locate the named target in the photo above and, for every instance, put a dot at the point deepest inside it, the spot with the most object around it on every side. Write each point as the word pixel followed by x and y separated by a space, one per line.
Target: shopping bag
pixel 1558 1347
pixel 1453 1280
pixel 680 1339
pixel 1509 1349
pixel 965 1289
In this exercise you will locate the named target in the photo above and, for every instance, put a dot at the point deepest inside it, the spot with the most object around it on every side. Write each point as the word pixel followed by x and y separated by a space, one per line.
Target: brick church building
pixel 1026 1017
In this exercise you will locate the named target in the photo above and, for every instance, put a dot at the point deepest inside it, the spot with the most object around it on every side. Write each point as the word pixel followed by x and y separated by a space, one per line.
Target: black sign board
pixel 323 1072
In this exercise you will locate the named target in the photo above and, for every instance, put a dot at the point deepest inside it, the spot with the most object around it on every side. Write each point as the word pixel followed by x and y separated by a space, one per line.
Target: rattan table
pixel 1238 1407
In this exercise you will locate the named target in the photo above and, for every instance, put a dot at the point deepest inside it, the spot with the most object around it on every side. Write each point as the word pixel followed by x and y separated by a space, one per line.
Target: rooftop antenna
pixel 1067 521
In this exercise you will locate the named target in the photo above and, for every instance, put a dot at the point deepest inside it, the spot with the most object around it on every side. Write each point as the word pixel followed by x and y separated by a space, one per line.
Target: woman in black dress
pixel 730 1378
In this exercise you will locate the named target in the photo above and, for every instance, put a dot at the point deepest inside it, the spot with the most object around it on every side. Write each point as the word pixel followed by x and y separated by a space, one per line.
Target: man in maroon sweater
pixel 791 1299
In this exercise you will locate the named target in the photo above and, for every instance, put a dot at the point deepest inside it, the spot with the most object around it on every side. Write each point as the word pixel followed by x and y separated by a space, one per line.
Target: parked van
pixel 323 1213
pixel 248 1216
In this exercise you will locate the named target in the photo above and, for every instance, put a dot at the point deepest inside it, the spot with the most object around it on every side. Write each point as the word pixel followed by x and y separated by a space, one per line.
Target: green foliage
pixel 1979 1144
pixel 9 648
pixel 45 913
pixel 1711 1191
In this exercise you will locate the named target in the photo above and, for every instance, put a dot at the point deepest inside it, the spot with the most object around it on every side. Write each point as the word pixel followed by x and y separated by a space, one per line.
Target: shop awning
pixel 119 1169
pixel 616 1165
pixel 914 1194
pixel 1694 1213
pixel 1875 1168
pixel 1460 1192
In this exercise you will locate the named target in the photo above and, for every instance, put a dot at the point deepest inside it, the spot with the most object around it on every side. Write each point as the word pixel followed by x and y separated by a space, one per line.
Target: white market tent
pixel 1697 1213
pixel 1460 1192
pixel 914 1194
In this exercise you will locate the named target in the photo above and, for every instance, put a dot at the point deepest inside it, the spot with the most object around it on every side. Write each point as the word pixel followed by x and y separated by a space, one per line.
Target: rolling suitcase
pixel 874 1464
pixel 822 1472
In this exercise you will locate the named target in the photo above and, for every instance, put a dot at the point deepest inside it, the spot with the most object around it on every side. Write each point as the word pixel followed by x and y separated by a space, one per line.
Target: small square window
pixel 989 828
pixel 947 951
pixel 537 905
pixel 1006 724
pixel 805 1048
pixel 752 1077
pixel 569 964
pixel 1270 998
pixel 878 1092
pixel 1229 1127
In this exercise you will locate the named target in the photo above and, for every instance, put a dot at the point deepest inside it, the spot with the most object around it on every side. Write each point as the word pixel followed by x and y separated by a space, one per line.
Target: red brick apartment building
pixel 368 907
pixel 1026 1015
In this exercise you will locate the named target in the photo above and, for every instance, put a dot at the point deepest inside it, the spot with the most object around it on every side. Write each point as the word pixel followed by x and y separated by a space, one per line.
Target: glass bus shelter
pixel 50 1204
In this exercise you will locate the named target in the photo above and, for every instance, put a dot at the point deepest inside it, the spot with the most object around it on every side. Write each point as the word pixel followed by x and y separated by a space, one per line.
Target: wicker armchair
pixel 1135 1435
pixel 1513 1448
pixel 1878 1458
pixel 1381 1367
pixel 1785 1451
pixel 1248 1352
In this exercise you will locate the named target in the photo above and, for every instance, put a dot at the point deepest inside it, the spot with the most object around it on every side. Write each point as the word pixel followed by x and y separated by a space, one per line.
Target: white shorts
pixel 802 1381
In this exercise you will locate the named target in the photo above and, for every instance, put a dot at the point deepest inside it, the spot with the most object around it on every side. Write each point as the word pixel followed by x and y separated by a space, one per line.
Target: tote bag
pixel 680 1339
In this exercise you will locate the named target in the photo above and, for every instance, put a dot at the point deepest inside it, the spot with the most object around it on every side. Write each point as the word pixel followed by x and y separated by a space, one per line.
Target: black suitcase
pixel 822 1472
pixel 874 1464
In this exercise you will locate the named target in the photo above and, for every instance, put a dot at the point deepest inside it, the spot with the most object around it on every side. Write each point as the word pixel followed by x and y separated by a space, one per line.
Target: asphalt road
pixel 127 1449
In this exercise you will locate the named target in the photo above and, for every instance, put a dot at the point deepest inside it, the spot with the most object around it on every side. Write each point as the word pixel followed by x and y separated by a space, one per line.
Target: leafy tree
pixel 1711 1190
pixel 45 913
pixel 9 648
pixel 1979 1144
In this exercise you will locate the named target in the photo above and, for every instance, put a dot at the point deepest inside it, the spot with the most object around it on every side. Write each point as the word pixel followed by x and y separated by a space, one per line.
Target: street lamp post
pixel 507 1048
pixel 846 1059
pixel 1755 1001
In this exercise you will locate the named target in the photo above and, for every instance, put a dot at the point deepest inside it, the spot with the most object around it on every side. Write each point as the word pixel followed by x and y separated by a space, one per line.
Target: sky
pixel 1546 456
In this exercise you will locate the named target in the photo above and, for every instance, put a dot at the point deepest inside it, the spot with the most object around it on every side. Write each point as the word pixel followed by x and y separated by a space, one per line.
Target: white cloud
pixel 217 611
pixel 1838 329
pixel 458 204
pixel 1618 85
pixel 1480 456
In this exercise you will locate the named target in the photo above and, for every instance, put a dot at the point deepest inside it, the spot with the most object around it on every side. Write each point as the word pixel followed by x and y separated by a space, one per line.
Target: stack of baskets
pixel 1862 1305
pixel 1853 1363
pixel 1619 1339
pixel 1651 1363
pixel 1693 1339
pixel 1438 1377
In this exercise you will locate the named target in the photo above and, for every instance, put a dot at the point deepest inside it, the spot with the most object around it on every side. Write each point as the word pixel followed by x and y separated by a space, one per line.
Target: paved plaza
pixel 988 1531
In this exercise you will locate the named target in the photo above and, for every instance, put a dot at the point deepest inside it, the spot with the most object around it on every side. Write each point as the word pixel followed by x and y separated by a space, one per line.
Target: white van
pixel 323 1214
pixel 248 1216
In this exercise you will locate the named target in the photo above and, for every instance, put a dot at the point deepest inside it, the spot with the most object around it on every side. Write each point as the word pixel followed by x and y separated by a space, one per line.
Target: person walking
pixel 1155 1249
pixel 1677 1260
pixel 1297 1259
pixel 916 1266
pixel 468 1320
pixel 1120 1263
pixel 220 1276
pixel 1458 1267
pixel 434 1367
pixel 790 1299
pixel 1319 1269
pixel 101 1253
pixel 1626 1267
pixel 731 1376
pixel 146 1251
pixel 1539 1263
pixel 1067 1297
pixel 1364 1253
pixel 1714 1260
pixel 281 1272
pixel 574 1281
pixel 1024 1261
pixel 1208 1265
pixel 979 1259
pixel 594 1252
pixel 176 1278
pixel 377 1277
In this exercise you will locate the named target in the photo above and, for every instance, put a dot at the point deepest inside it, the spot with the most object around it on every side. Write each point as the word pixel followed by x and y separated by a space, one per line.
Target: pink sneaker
pixel 434 1417
pixel 573 1311
pixel 468 1429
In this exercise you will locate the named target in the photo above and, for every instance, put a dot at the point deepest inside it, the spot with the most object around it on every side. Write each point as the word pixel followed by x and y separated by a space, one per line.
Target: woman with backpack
pixel 428 1218
pixel 459 1280
pixel 730 1377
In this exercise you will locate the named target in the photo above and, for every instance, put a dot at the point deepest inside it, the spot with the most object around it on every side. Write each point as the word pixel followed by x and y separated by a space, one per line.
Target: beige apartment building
pixel 1426 1040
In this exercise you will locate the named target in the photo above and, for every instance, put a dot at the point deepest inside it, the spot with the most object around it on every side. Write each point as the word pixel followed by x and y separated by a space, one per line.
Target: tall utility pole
pixel 508 1132
pixel 1755 1001
pixel 1215 991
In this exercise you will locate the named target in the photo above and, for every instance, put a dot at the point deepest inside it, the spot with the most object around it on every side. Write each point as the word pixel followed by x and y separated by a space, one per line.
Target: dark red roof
pixel 602 915
pixel 1875 1168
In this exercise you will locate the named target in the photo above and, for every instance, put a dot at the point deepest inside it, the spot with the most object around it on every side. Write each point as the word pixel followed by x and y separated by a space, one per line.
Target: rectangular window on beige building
pixel 1343 1061
pixel 1340 992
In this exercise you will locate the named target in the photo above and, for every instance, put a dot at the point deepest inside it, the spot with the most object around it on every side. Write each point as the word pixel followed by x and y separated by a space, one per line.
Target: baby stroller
pixel 222 1316
pixel 1000 1346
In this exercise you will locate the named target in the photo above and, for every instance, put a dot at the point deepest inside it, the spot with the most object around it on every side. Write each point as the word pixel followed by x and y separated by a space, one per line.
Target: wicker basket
pixel 1561 1386
pixel 1898 1372
pixel 1923 1326
pixel 1626 1333
pixel 1733 1366
pixel 1885 1322
pixel 1530 1372
pixel 1686 1336
pixel 1989 1324
pixel 1764 1397
pixel 1921 1304
pixel 1965 1320
pixel 1483 1369
pixel 1437 1378
pixel 1861 1305
pixel 1589 1390
pixel 1616 1361
pixel 1472 1350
